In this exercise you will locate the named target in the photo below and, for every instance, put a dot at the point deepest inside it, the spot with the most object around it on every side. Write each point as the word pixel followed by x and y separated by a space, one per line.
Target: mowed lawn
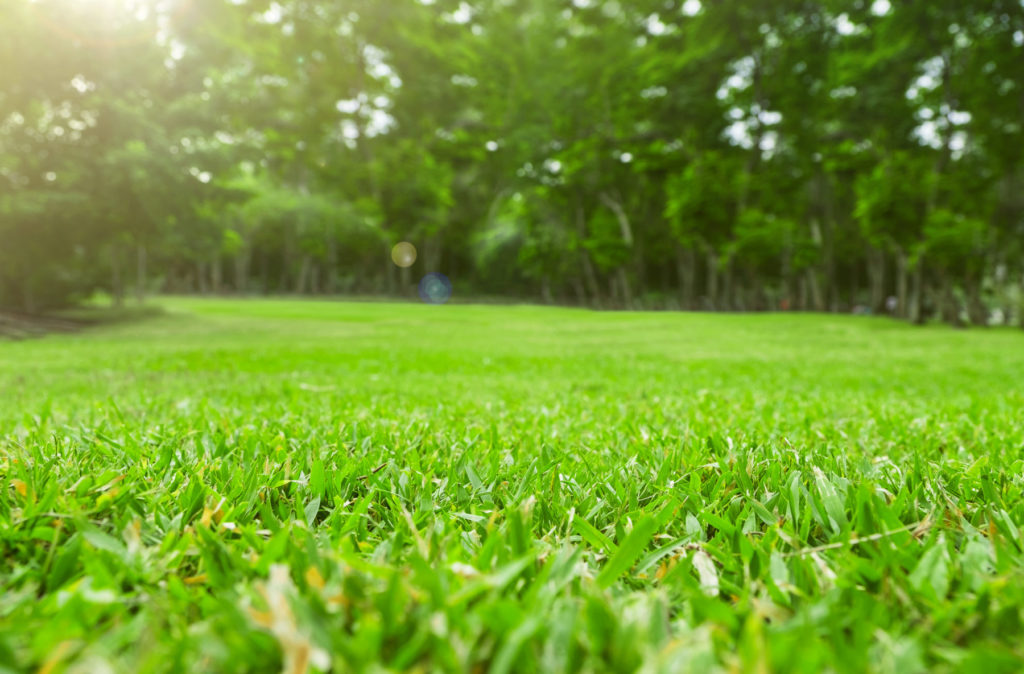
pixel 309 486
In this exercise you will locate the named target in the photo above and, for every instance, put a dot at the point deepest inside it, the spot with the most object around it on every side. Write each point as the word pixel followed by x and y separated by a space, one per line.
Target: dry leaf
pixel 314 578
pixel 299 651
pixel 706 571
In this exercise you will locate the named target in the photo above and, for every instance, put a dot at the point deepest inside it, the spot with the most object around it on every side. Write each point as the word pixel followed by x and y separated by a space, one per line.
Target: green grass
pixel 258 485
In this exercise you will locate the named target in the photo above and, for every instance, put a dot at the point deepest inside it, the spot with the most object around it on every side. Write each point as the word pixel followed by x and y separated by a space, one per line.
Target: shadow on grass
pixel 16 326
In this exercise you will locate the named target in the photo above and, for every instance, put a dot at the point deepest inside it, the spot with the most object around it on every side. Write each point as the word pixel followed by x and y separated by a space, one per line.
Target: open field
pixel 258 485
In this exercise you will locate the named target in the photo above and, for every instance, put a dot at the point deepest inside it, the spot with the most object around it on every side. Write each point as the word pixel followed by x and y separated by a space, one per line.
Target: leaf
pixel 976 561
pixel 353 519
pixel 931 576
pixel 720 523
pixel 19 486
pixel 654 557
pixel 778 570
pixel 504 661
pixel 317 479
pixel 493 581
pixel 593 535
pixel 311 510
pixel 474 479
pixel 630 550
pixel 831 500
pixel 706 571
pixel 102 541
pixel 64 564
pixel 274 550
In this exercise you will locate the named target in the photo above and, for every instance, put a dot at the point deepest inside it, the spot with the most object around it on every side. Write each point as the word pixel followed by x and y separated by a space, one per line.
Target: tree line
pixel 730 155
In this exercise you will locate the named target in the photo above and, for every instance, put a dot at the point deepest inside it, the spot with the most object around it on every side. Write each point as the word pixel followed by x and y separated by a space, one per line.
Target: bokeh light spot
pixel 403 254
pixel 435 288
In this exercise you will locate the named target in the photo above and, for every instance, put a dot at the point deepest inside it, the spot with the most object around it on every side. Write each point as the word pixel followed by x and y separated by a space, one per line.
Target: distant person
pixel 892 303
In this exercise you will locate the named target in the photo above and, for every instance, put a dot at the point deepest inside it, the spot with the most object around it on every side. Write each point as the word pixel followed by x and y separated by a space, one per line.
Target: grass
pixel 293 486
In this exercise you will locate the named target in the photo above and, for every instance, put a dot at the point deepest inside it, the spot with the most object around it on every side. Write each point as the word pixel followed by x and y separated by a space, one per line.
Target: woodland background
pixel 730 155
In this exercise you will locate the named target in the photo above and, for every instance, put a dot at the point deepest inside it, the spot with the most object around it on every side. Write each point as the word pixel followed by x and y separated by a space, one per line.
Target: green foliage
pixel 954 241
pixel 285 146
pixel 891 201
pixel 761 238
pixel 251 486
pixel 701 201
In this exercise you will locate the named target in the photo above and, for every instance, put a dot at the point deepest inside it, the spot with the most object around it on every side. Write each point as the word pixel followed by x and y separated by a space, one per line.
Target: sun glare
pixel 107 23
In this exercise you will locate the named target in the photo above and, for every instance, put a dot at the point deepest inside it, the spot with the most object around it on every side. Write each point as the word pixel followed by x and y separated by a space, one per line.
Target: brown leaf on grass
pixel 314 578
pixel 215 514
pixel 299 651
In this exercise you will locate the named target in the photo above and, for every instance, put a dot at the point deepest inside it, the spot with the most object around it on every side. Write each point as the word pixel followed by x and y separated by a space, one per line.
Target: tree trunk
pixel 405 282
pixel 432 254
pixel 976 310
pixel 216 275
pixel 1020 303
pixel 331 266
pixel 285 282
pixel 740 303
pixel 300 280
pixel 265 272
pixel 201 277
pixel 28 298
pixel 626 230
pixel 242 260
pixel 140 274
pixel 620 215
pixel 817 300
pixel 590 278
pixel 786 273
pixel 589 275
pixel 831 283
pixel 876 274
pixel 901 284
pixel 545 291
pixel 728 301
pixel 116 285
pixel 581 293
pixel 917 293
pixel 314 279
pixel 392 275
pixel 712 280
pixel 686 265
pixel 625 288
pixel 947 300
pixel 639 284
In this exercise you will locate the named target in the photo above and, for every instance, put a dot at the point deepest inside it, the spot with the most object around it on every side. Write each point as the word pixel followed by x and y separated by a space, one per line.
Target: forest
pixel 729 155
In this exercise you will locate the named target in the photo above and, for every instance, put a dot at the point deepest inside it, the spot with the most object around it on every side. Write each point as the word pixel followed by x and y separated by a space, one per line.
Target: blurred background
pixel 738 155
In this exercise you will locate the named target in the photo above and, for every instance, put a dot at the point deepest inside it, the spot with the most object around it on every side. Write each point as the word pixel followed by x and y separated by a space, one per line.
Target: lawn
pixel 299 485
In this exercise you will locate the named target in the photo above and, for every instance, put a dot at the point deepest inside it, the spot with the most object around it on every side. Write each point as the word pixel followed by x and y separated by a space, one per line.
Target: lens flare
pixel 435 289
pixel 403 254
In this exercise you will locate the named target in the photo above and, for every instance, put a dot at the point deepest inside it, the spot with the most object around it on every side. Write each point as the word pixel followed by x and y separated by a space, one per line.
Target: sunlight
pixel 106 23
